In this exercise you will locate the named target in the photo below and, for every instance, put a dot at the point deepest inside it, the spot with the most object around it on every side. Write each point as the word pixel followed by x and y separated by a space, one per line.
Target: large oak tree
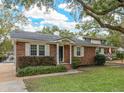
pixel 103 11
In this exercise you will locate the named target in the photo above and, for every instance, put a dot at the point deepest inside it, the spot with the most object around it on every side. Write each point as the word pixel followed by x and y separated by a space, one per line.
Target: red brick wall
pixel 20 49
pixel 89 54
pixel 53 51
pixel 66 53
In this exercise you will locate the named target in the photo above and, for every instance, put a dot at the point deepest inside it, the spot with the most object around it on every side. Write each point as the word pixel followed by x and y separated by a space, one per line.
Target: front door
pixel 61 53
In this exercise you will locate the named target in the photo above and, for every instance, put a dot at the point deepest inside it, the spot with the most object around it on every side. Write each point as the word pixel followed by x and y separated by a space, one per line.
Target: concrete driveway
pixel 8 80
pixel 7 72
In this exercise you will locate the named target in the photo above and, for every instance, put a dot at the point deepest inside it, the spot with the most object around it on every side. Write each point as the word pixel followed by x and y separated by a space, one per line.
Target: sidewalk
pixel 13 86
pixel 53 74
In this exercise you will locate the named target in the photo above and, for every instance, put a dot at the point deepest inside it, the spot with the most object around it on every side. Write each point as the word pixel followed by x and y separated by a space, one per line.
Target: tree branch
pixel 102 12
pixel 118 28
pixel 95 14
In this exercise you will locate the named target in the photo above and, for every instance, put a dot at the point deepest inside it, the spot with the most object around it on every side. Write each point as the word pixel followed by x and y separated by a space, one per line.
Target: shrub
pixel 100 59
pixel 120 55
pixel 28 71
pixel 75 62
pixel 26 61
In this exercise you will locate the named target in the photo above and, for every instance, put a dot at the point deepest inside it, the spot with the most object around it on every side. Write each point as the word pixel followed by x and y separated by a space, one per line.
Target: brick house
pixel 62 49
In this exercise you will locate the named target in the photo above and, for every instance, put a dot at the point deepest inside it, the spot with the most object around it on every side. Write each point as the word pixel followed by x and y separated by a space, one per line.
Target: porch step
pixel 68 66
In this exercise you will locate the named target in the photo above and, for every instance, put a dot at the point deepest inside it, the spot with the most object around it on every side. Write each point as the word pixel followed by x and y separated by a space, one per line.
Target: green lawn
pixel 95 79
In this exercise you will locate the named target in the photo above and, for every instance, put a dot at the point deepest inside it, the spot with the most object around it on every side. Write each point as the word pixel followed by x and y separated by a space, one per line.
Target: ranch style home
pixel 62 49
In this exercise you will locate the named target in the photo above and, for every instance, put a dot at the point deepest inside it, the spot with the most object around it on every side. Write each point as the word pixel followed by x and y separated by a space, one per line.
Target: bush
pixel 26 61
pixel 100 59
pixel 28 71
pixel 120 55
pixel 75 62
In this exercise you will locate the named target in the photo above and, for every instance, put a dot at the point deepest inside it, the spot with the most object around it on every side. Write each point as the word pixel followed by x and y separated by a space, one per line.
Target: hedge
pixel 26 61
pixel 100 59
pixel 28 71
pixel 76 61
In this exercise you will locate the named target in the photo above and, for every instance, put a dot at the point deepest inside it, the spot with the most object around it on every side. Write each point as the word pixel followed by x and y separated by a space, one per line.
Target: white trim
pixel 27 47
pixel 38 50
pixel 57 53
pixel 60 40
pixel 47 50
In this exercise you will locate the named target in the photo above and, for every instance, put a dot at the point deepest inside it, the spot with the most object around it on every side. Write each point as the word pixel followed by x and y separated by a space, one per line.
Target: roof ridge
pixel 35 33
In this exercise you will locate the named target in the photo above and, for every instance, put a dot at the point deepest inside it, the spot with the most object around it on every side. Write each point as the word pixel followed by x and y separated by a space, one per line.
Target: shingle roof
pixel 33 36
pixel 45 37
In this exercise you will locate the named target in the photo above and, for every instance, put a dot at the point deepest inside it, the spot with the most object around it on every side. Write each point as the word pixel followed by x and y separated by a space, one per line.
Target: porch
pixel 64 51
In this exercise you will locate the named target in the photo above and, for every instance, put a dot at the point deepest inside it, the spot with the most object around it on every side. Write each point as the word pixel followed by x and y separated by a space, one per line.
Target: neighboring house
pixel 102 45
pixel 62 49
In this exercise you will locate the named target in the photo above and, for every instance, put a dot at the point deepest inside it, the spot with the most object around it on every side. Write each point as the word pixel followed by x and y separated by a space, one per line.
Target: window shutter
pixel 47 50
pixel 75 51
pixel 82 51
pixel 27 49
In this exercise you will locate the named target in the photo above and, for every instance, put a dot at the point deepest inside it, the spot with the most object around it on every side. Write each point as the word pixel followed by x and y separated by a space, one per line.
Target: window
pixel 33 50
pixel 37 50
pixel 41 50
pixel 78 51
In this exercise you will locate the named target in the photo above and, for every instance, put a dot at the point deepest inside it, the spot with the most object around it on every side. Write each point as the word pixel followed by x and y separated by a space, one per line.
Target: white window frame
pixel 37 50
pixel 77 51
pixel 81 51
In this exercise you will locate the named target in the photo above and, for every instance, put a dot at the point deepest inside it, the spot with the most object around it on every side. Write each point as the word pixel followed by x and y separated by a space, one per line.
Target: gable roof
pixel 45 37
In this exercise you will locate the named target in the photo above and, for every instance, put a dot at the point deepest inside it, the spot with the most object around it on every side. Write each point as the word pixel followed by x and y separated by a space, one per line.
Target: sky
pixel 59 16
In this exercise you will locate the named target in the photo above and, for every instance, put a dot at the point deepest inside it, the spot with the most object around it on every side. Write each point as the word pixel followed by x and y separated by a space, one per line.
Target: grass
pixel 104 79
